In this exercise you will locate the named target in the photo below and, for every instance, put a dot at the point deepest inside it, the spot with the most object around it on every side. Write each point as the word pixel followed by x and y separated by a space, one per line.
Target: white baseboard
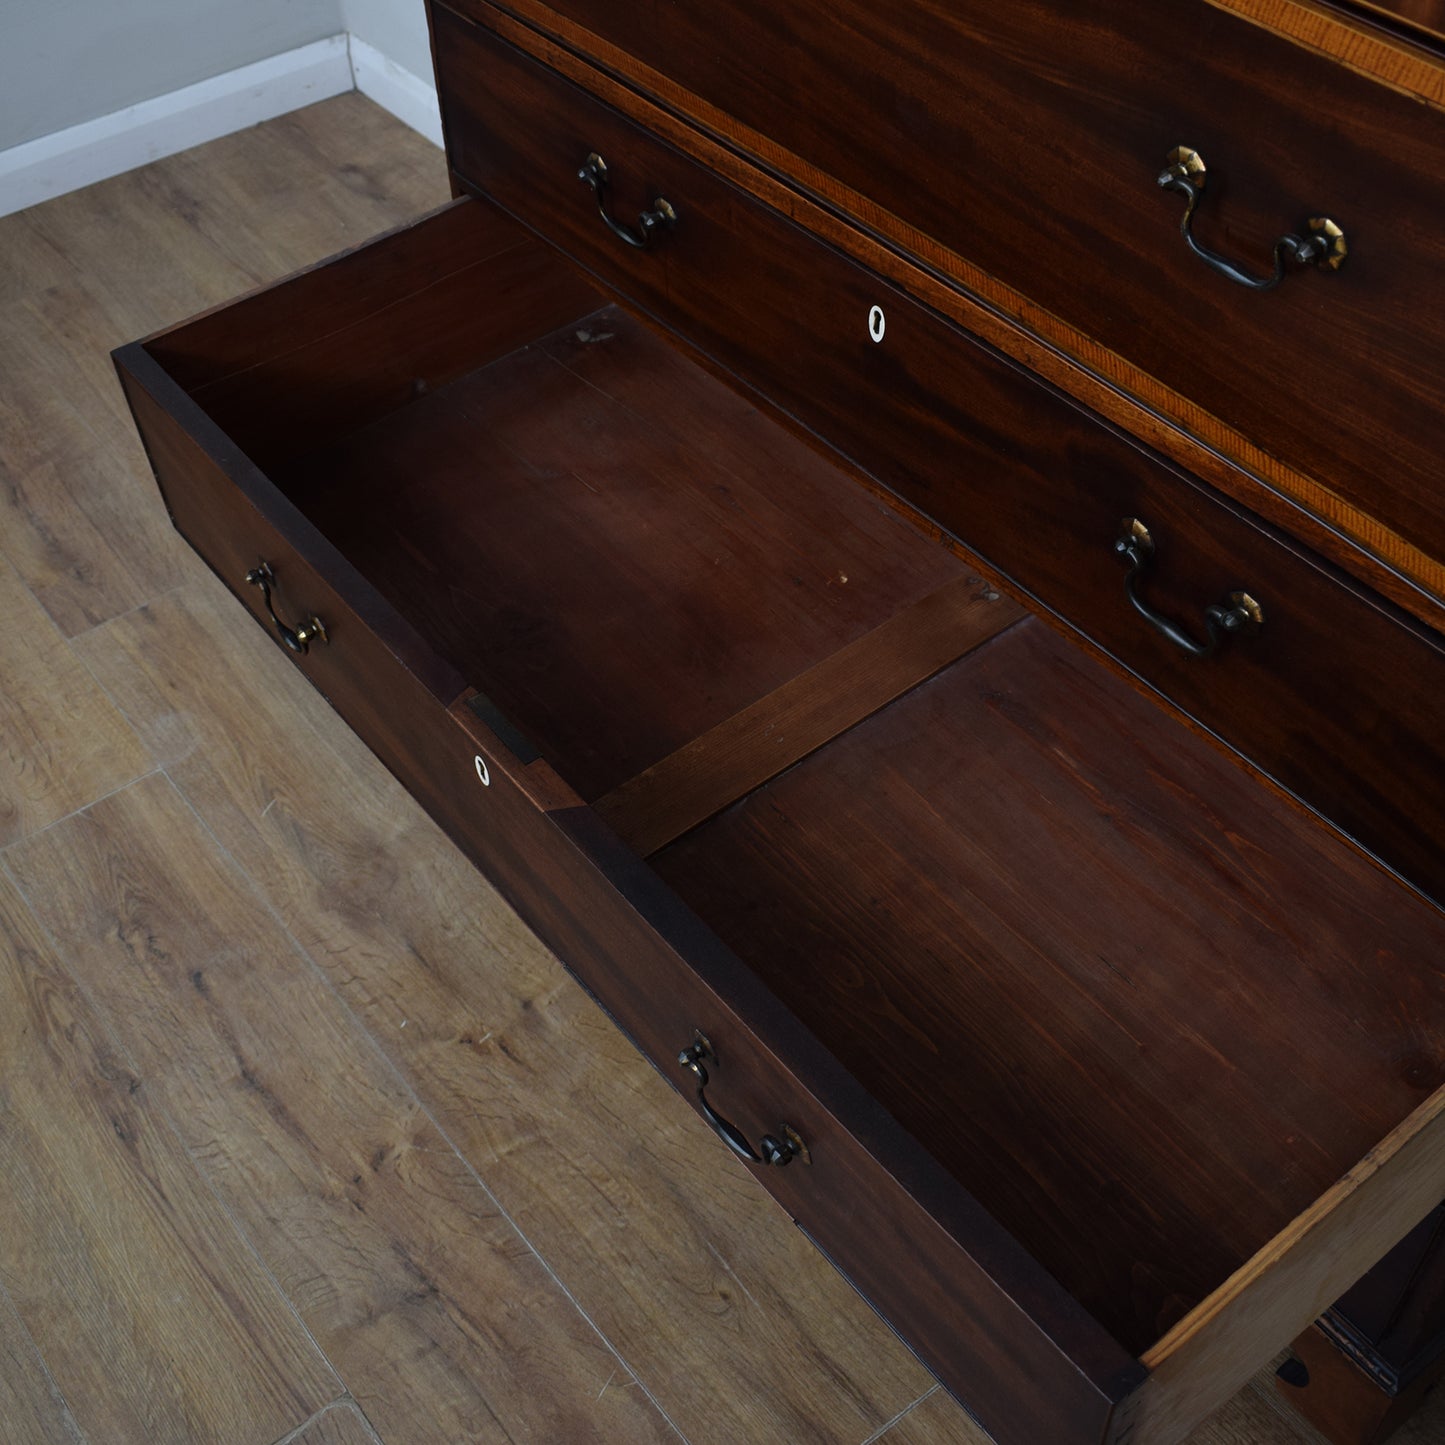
pixel 98 149
pixel 408 97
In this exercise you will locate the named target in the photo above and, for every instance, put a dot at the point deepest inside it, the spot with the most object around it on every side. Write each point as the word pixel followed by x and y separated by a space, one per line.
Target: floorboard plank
pixel 62 741
pixel 78 518
pixel 152 1315
pixel 440 1319
pixel 666 1241
pixel 32 1411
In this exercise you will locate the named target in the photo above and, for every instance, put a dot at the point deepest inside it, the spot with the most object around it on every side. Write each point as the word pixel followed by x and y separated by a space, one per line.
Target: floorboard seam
pixel 342 1400
pixel 85 807
pixel 77 1434
pixel 396 1072
pixel 120 616
pixel 907 1410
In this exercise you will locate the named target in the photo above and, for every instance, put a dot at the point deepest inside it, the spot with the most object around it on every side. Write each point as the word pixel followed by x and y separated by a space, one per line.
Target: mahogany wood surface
pixel 1336 698
pixel 619 559
pixel 984 1314
pixel 1016 148
pixel 1146 1013
pixel 329 350
pixel 1004 1336
pixel 742 752
pixel 1101 379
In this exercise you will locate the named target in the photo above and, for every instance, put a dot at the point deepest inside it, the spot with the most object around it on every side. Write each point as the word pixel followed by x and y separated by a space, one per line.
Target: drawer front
pixel 980 1312
pixel 372 668
pixel 1020 144
pixel 1335 696
pixel 986 1316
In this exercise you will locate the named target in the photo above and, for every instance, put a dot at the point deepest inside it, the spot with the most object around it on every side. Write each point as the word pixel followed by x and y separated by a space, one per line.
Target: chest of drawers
pixel 955 674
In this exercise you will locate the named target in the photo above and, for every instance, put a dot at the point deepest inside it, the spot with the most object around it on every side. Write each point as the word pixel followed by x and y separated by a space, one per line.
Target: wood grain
pixel 75 504
pixel 617 573
pixel 744 751
pixel 342 850
pixel 104 1212
pixel 379 1233
pixel 32 1411
pixel 62 741
pixel 883 114
pixel 1176 424
pixel 1134 1020
pixel 1371 37
pixel 690 1270
pixel 1031 484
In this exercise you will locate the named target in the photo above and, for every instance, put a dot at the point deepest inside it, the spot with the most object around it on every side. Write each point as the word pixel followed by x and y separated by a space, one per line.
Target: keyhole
pixel 482 773
pixel 876 323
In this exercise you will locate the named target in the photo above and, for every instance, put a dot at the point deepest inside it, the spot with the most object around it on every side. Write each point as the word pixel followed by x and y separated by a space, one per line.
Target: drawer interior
pixel 1142 1009
pixel 1144 1012
pixel 619 551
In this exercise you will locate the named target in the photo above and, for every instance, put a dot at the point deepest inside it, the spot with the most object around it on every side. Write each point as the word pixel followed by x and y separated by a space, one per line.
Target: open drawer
pixel 1097 1066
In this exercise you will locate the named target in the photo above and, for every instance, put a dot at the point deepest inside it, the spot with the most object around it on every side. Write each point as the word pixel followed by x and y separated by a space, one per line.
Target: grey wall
pixel 396 27
pixel 67 61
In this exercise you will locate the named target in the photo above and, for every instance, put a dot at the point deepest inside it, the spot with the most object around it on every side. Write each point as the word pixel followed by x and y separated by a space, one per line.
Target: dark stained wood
pixel 235 518
pixel 998 1326
pixel 942 1272
pixel 985 1315
pixel 1206 999
pixel 1094 375
pixel 347 341
pixel 616 576
pixel 1336 699
pixel 1031 137
pixel 1426 15
pixel 743 752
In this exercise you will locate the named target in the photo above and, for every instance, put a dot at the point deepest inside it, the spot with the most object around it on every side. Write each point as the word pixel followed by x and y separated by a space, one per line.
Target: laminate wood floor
pixel 303 1137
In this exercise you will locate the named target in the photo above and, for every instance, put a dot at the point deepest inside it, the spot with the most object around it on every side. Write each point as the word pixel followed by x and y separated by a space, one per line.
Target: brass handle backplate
pixel 771 1149
pixel 298 639
pixel 1238 613
pixel 1322 245
pixel 650 224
